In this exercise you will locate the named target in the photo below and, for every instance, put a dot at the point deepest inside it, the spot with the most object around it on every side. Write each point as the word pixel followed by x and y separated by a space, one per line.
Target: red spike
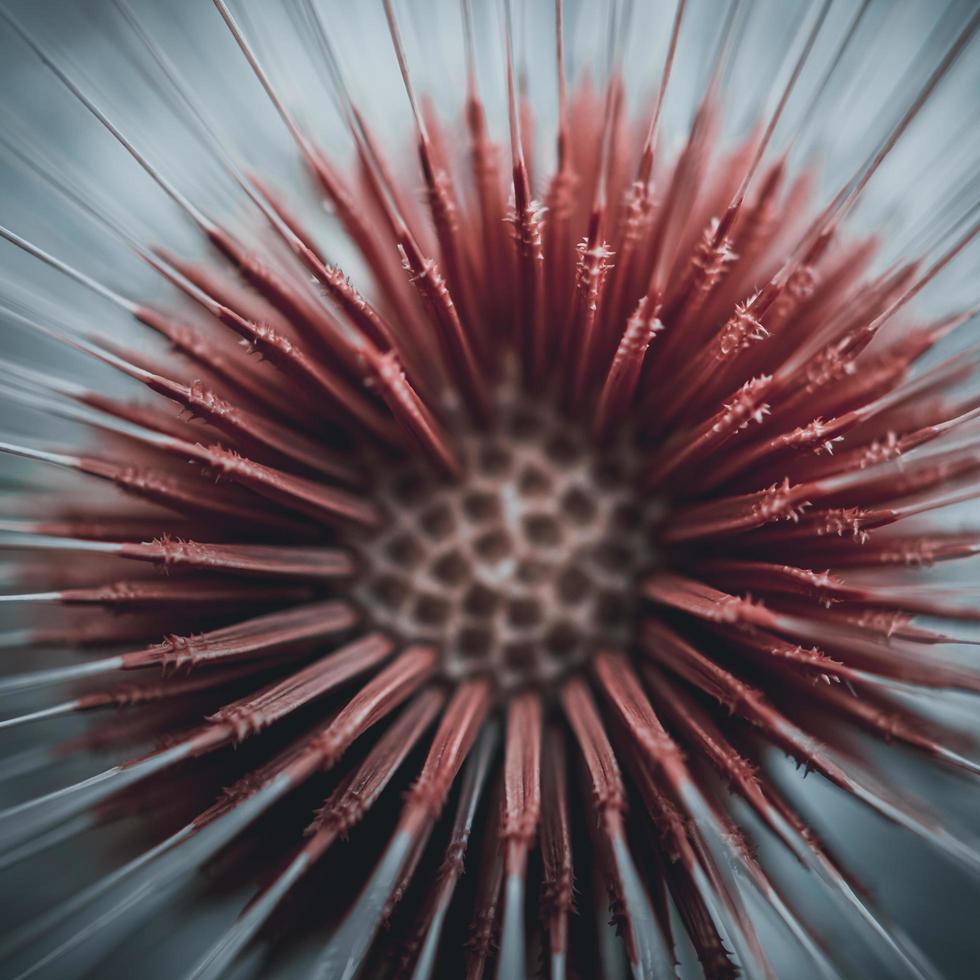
pixel 412 413
pixel 349 803
pixel 557 886
pixel 522 780
pixel 458 353
pixel 130 695
pixel 238 423
pixel 142 594
pixel 457 732
pixel 186 496
pixel 425 940
pixel 484 925
pixel 413 667
pixel 243 559
pixel 620 384
pixel 258 636
pixel 656 763
pixel 250 715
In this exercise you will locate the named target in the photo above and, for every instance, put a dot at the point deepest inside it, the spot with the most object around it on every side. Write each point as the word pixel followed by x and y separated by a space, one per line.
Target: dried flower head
pixel 514 555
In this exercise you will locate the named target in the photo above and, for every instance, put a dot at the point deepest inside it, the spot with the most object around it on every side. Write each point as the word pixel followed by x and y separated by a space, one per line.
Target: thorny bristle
pixel 617 466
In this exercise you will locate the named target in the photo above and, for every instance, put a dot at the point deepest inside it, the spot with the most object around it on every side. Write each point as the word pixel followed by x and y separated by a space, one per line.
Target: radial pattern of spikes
pixel 466 605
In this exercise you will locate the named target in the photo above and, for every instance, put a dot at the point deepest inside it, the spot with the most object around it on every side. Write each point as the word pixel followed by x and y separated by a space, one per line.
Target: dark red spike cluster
pixel 520 558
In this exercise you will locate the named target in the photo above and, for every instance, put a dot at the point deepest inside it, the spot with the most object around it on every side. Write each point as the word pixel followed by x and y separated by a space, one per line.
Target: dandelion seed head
pixel 468 445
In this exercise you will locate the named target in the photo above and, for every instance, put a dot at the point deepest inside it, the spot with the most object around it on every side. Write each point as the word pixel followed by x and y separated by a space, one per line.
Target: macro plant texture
pixel 465 464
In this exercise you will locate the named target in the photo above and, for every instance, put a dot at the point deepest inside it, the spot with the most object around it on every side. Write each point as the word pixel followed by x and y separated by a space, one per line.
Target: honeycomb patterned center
pixel 523 565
